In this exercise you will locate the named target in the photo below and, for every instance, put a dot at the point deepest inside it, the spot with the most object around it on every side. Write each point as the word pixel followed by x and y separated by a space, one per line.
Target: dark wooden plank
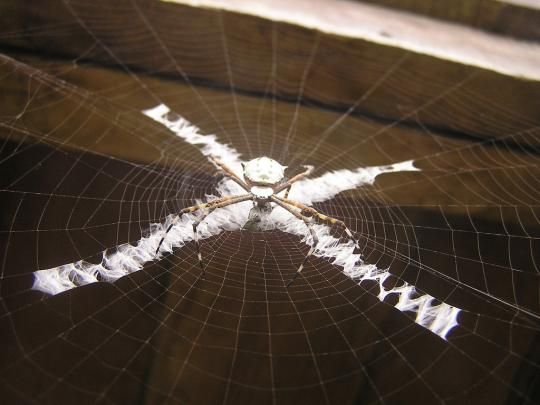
pixel 460 175
pixel 457 205
pixel 40 108
pixel 450 78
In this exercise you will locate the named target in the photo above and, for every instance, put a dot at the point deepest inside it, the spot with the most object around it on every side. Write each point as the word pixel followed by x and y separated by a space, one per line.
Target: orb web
pixel 103 146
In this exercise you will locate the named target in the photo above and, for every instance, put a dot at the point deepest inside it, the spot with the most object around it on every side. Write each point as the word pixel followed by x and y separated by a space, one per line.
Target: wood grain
pixel 520 19
pixel 461 175
pixel 347 56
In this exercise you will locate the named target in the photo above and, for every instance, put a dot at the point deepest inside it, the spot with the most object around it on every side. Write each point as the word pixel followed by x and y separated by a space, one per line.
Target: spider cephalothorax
pixel 264 179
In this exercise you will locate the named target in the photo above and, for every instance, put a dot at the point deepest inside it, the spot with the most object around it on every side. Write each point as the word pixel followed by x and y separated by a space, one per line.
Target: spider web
pixel 439 304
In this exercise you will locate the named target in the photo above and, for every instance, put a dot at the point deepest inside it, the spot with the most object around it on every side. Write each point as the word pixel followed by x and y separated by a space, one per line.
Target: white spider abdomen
pixel 264 170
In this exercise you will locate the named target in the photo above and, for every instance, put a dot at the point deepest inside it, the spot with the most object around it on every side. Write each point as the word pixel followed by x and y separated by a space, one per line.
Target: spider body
pixel 263 171
pixel 262 175
pixel 261 195
pixel 264 179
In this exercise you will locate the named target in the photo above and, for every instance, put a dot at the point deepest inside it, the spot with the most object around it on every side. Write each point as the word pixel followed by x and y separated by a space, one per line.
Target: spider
pixel 264 179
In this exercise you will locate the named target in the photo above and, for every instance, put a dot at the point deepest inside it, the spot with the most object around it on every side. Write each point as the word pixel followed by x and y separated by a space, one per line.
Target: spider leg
pixel 307 221
pixel 227 171
pixel 212 205
pixel 287 185
pixel 287 191
pixel 196 236
pixel 313 212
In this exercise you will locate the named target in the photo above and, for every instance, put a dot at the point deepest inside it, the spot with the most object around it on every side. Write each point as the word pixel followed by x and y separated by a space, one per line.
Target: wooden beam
pixel 38 107
pixel 99 110
pixel 514 18
pixel 343 56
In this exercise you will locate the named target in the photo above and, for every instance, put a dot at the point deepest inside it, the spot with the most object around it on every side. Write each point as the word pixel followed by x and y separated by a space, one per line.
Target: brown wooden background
pixel 76 75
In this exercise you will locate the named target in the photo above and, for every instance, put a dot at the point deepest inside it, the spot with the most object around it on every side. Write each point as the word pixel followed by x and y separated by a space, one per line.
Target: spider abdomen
pixel 264 171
